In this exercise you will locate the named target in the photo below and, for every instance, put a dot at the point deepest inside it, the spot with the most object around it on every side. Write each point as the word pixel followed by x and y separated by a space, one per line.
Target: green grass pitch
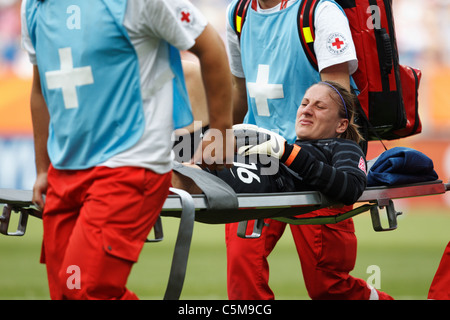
pixel 406 258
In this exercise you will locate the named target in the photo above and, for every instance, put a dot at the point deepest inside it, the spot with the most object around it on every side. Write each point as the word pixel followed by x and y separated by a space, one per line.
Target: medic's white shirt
pixel 329 20
pixel 147 22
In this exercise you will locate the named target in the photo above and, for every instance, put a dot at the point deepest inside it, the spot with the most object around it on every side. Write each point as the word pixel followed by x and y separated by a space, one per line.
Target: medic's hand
pixel 39 190
pixel 216 150
pixel 251 139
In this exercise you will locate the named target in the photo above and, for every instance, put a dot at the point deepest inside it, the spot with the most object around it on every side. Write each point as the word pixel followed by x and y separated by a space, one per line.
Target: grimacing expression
pixel 318 116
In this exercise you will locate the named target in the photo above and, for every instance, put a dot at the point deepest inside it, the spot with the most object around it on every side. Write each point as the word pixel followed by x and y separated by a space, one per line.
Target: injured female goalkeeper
pixel 326 157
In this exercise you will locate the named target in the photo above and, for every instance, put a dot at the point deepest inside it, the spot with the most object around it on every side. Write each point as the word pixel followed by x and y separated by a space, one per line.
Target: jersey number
pixel 244 173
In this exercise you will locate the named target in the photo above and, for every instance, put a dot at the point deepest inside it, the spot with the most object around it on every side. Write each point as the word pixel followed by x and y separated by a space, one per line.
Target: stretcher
pixel 218 205
pixel 277 206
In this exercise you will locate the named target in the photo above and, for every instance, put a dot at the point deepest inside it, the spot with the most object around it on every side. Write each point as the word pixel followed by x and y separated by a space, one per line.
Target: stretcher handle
pixel 257 229
pixel 158 232
pixel 5 220
pixel 391 216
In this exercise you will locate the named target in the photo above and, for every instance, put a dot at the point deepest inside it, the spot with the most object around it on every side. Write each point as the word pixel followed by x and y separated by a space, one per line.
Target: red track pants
pixel 95 224
pixel 327 254
pixel 440 287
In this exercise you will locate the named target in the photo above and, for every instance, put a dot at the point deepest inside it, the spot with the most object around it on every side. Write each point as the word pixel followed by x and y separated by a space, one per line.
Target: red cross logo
pixel 362 165
pixel 338 43
pixel 185 17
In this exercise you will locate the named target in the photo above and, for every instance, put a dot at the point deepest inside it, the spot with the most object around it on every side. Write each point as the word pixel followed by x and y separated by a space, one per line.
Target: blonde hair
pixel 347 109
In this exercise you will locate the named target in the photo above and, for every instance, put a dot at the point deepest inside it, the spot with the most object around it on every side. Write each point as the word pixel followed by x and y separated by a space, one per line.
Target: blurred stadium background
pixel 423 35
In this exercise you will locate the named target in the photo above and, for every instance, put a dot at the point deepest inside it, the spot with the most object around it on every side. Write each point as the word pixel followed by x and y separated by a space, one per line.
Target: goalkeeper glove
pixel 252 139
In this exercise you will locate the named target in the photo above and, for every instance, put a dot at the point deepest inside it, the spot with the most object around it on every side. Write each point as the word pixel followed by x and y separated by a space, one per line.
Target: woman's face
pixel 318 115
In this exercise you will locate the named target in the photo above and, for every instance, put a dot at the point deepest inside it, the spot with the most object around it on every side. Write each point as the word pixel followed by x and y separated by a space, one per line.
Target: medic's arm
pixel 210 50
pixel 40 119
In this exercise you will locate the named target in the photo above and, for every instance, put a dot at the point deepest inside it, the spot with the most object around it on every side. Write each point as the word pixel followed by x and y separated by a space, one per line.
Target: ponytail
pixel 347 103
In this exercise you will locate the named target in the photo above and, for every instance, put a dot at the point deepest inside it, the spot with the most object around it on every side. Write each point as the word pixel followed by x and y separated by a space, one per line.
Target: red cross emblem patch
pixel 362 165
pixel 185 16
pixel 337 43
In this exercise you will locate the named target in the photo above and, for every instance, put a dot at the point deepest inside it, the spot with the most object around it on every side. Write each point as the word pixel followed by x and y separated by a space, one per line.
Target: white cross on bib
pixel 68 78
pixel 262 91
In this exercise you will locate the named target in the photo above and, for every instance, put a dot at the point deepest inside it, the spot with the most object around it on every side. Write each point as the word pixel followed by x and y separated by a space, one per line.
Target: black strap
pixel 182 246
pixel 369 127
pixel 306 29
pixel 240 12
pixel 219 195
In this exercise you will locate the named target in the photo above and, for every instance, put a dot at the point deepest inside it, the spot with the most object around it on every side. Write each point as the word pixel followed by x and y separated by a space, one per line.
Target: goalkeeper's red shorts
pixel 96 222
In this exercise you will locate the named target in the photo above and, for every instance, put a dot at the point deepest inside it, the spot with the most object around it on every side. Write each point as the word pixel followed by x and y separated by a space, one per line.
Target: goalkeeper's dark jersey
pixel 336 167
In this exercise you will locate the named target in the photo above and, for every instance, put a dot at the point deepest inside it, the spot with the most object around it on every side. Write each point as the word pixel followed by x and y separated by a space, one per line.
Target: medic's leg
pixel 328 254
pixel 59 217
pixel 247 267
pixel 440 287
pixel 119 208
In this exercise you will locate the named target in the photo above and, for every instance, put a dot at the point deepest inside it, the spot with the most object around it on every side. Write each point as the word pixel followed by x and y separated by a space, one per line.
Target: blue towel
pixel 401 165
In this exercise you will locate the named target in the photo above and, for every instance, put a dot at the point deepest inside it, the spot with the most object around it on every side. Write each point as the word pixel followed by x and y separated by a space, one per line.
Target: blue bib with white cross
pixel 276 69
pixel 90 79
